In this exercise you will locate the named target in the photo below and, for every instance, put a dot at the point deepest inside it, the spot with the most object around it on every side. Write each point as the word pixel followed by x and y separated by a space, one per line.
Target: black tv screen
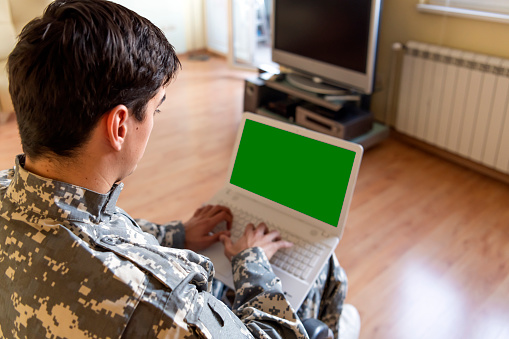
pixel 327 38
pixel 332 31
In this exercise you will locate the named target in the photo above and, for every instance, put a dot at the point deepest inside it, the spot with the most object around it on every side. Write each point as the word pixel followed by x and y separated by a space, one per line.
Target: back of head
pixel 78 61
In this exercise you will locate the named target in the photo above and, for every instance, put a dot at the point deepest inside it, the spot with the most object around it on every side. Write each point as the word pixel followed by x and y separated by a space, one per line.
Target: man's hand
pixel 253 236
pixel 198 228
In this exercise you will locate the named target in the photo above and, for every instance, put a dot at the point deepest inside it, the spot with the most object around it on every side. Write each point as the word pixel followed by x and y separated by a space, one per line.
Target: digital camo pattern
pixel 168 235
pixel 325 299
pixel 76 266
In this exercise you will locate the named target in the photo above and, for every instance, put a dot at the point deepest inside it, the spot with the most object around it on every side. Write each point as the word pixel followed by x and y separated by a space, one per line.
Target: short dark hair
pixel 78 61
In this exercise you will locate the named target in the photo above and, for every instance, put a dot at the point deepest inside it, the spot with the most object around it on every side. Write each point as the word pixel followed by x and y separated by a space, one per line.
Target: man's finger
pixel 285 244
pixel 249 228
pixel 227 243
pixel 262 228
pixel 223 210
pixel 273 235
pixel 209 240
pixel 225 239
pixel 217 236
pixel 203 209
pixel 219 209
pixel 273 247
pixel 223 216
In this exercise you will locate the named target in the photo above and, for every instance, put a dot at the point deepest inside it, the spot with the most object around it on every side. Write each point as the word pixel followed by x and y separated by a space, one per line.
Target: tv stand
pixel 314 85
pixel 283 84
pixel 261 91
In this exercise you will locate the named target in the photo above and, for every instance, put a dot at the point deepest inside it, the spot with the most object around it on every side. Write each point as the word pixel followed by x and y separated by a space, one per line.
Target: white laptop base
pixel 295 285
pixel 314 241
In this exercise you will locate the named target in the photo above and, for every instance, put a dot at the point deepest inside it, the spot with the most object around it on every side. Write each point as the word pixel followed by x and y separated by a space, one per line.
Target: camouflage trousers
pixel 324 301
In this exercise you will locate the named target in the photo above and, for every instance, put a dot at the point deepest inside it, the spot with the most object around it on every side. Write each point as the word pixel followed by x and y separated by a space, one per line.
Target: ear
pixel 116 126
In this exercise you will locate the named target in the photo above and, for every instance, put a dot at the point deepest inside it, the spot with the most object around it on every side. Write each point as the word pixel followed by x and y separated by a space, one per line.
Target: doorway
pixel 250 33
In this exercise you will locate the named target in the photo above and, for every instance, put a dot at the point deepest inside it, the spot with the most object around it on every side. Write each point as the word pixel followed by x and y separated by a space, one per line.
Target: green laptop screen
pixel 304 174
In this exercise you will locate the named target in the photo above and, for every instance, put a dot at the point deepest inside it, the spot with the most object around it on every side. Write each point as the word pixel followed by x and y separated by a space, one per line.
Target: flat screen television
pixel 332 42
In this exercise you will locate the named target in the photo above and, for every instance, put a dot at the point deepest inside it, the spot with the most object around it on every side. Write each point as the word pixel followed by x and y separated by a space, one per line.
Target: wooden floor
pixel 426 246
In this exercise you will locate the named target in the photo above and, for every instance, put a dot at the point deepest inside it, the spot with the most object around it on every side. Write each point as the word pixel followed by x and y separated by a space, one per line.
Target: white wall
pixel 216 17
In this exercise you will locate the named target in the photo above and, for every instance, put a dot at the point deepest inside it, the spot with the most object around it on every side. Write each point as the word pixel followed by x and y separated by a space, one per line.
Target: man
pixel 86 80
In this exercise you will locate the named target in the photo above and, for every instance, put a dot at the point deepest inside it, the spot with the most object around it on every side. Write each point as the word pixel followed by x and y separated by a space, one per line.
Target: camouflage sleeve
pixel 171 234
pixel 5 179
pixel 259 299
pixel 184 312
pixel 149 319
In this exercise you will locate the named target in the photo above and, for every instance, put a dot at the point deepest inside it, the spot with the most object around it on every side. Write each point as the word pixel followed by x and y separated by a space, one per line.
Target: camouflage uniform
pixel 75 265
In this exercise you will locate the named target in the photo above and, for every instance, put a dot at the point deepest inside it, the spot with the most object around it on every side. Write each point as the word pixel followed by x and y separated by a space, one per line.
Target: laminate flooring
pixel 426 246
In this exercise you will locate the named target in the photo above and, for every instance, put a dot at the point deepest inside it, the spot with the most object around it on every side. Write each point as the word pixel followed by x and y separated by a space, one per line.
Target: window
pixel 493 10
pixel 494 6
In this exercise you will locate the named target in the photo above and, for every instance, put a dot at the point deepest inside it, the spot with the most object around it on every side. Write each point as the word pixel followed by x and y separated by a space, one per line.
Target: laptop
pixel 295 180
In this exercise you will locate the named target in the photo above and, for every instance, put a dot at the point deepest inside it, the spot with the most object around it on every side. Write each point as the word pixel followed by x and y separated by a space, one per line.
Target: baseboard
pixel 503 177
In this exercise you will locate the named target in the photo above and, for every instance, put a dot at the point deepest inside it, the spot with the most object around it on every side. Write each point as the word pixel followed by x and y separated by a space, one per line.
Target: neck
pixel 75 171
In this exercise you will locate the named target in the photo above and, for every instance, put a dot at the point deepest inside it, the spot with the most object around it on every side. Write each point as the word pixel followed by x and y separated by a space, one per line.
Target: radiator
pixel 457 101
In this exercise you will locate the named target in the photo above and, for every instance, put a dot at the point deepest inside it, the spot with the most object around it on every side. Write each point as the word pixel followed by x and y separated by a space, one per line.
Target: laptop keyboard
pixel 297 260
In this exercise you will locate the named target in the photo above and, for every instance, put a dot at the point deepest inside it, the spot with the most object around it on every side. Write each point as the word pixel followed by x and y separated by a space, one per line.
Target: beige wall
pixel 24 11
pixel 402 22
